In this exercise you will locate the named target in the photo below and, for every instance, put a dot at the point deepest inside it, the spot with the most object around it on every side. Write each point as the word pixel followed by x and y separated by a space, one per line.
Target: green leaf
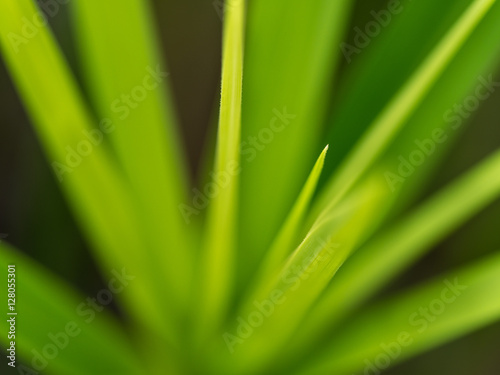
pixel 391 251
pixel 479 55
pixel 94 189
pixel 391 120
pixel 217 260
pixel 132 96
pixel 306 274
pixel 287 237
pixel 372 69
pixel 472 66
pixel 362 276
pixel 289 64
pixel 416 320
pixel 46 308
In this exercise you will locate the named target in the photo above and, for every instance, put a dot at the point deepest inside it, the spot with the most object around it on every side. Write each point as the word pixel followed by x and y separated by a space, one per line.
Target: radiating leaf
pixel 286 239
pixel 217 261
pixel 415 321
pixel 289 64
pixel 391 251
pixel 371 67
pixel 97 193
pixel 391 120
pixel 303 277
pixel 49 312
pixel 126 80
pixel 465 78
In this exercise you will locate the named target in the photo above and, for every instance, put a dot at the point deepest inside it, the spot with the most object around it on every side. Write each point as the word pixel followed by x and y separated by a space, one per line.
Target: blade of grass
pixel 305 275
pixel 286 240
pixel 478 56
pixel 47 307
pixel 467 301
pixel 369 71
pixel 95 191
pixel 121 65
pixel 402 106
pixel 217 261
pixel 389 253
pixel 473 64
pixel 289 52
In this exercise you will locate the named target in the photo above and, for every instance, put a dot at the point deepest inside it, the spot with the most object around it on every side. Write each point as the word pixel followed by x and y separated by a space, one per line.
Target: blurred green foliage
pixel 120 204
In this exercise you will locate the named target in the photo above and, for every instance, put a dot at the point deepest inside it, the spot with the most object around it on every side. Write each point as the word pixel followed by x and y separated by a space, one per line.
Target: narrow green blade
pixel 435 115
pixel 396 248
pixel 132 96
pixel 371 68
pixel 418 320
pixel 48 313
pixel 94 189
pixel 477 55
pixel 388 124
pixel 289 65
pixel 437 123
pixel 217 261
pixel 288 237
pixel 305 275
